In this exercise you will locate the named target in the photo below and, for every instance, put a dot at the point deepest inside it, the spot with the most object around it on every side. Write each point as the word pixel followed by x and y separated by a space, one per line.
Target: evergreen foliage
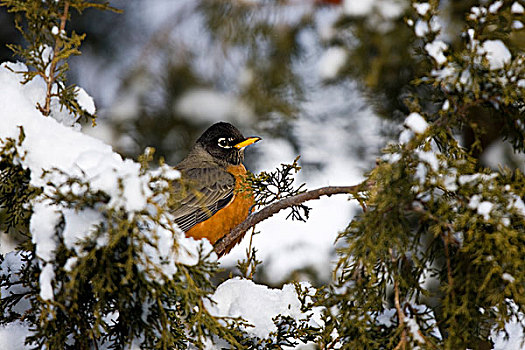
pixel 48 46
pixel 434 260
pixel 441 242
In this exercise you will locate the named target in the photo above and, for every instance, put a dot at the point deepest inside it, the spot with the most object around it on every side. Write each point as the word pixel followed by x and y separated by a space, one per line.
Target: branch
pixel 46 110
pixel 263 214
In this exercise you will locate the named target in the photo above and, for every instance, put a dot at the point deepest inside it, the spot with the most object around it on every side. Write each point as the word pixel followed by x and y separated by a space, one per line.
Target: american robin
pixel 212 205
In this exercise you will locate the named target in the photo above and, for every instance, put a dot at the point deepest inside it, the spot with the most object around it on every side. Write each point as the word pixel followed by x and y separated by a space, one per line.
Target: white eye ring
pixel 223 142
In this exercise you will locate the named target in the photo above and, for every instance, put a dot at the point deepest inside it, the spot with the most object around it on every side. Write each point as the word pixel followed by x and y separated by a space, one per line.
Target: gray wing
pixel 210 189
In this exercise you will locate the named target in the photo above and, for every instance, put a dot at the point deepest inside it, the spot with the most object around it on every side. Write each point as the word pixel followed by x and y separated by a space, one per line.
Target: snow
pixel 386 317
pixel 474 201
pixel 42 226
pixel 78 225
pixel 497 53
pixel 436 49
pixel 13 335
pixel 85 101
pixel 416 123
pixel 484 209
pixel 495 6
pixel 464 179
pixel 508 277
pixel 517 8
pixel 517 25
pixel 383 9
pixel 46 276
pixel 358 7
pixel 422 8
pixel 389 9
pixel 72 152
pixel 421 28
pixel 414 330
pixel 281 261
pixel 421 173
pixel 519 205
pixel 48 145
pixel 331 62
pixel 70 264
pixel 257 304
pixel 465 76
pixel 514 329
pixel 430 158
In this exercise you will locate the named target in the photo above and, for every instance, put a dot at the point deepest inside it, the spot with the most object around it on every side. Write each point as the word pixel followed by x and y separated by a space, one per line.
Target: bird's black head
pixel 225 142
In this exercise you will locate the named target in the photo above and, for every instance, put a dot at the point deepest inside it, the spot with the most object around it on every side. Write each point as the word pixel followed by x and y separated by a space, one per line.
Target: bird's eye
pixel 223 142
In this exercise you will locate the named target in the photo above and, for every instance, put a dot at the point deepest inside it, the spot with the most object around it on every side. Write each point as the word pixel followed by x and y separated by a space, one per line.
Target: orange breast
pixel 223 221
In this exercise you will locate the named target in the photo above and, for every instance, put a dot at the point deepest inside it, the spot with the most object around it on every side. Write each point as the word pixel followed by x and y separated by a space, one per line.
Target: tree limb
pixel 274 208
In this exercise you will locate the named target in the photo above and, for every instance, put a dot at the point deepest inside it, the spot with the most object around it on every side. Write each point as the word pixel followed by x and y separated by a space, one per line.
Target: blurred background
pixel 327 80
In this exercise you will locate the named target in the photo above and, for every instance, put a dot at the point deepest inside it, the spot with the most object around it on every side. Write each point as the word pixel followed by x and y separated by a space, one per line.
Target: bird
pixel 212 202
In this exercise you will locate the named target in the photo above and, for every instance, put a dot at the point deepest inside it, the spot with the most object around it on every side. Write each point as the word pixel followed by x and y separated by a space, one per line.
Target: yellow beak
pixel 247 142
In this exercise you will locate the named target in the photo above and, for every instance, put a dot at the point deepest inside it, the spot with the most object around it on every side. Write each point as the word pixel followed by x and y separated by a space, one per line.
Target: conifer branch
pixel 272 209
pixel 50 79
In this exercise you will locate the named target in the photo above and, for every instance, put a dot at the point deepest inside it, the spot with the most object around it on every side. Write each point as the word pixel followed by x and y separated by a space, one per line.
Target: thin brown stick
pixel 274 208
pixel 50 80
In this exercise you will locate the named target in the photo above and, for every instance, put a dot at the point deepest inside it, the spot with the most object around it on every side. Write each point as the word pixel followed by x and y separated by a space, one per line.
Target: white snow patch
pixel 51 145
pixel 495 6
pixel 421 173
pixel 405 136
pixel 386 317
pixel 517 25
pixel 42 226
pixel 46 276
pixel 484 209
pixel 358 7
pixel 390 9
pixel 414 330
pixel 515 338
pixel 497 53
pixel 422 8
pixel 517 8
pixel 85 101
pixel 70 264
pixel 518 205
pixel 421 28
pixel 79 225
pixel 436 50
pixel 331 62
pixel 474 201
pixel 256 303
pixel 508 277
pixel 430 158
pixel 391 157
pixel 416 123
pixel 13 336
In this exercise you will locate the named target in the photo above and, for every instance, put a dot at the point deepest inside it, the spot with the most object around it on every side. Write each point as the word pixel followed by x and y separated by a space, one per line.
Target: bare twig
pixel 263 214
